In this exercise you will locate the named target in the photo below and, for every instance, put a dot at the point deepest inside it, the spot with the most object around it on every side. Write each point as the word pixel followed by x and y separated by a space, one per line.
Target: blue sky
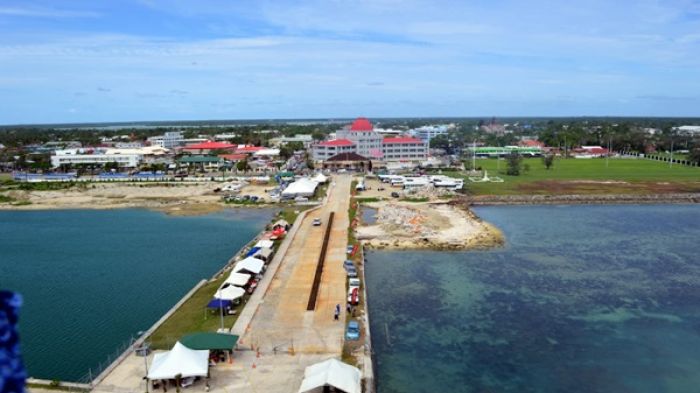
pixel 83 61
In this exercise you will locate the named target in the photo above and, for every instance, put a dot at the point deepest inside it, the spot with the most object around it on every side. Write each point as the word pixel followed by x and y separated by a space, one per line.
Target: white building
pixel 688 129
pixel 426 133
pixel 96 157
pixel 305 139
pixel 168 140
pixel 327 149
pixel 360 138
pixel 361 133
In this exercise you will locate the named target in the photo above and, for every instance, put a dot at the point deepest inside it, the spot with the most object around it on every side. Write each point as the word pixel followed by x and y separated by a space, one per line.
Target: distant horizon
pixel 244 121
pixel 66 62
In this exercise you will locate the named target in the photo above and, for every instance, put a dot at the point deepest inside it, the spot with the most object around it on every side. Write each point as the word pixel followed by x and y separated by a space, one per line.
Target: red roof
pixel 404 139
pixel 337 142
pixel 249 149
pixel 531 143
pixel 209 145
pixel 232 157
pixel 361 124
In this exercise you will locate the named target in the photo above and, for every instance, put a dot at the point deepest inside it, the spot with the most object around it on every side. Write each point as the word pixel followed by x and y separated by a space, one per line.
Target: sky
pixel 67 61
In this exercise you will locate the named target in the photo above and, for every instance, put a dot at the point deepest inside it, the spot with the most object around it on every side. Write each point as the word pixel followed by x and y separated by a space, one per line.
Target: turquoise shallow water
pixel 93 278
pixel 582 299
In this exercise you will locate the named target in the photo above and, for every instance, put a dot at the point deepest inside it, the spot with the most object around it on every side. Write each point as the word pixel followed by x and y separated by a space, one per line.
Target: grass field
pixel 588 176
pixel 193 316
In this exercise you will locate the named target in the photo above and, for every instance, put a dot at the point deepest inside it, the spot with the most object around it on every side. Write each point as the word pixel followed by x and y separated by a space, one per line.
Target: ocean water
pixel 91 279
pixel 581 299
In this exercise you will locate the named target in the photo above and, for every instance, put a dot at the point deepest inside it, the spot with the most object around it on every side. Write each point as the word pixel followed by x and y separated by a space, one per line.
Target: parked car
pixel 381 189
pixel 394 194
pixel 353 331
pixel 353 282
pixel 348 263
pixel 352 272
pixel 350 248
pixel 354 296
pixel 301 199
pixel 317 222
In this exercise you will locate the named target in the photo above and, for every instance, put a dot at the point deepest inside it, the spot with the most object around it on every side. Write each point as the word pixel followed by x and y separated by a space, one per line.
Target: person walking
pixel 337 312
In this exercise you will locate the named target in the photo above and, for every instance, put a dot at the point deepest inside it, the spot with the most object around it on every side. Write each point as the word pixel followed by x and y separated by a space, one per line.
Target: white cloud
pixel 41 12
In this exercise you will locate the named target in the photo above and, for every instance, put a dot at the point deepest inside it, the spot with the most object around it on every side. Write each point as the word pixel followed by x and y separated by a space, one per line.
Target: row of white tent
pixel 187 362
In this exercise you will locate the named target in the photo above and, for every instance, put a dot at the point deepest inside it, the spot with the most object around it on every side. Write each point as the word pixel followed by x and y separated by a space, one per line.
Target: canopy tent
pixel 303 187
pixel 334 373
pixel 229 293
pixel 320 178
pixel 252 251
pixel 265 244
pixel 179 360
pixel 264 254
pixel 250 265
pixel 219 303
pixel 210 341
pixel 279 232
pixel 280 223
pixel 238 279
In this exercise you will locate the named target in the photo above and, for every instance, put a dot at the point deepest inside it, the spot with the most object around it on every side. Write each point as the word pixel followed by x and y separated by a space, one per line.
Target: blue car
pixel 348 263
pixel 353 331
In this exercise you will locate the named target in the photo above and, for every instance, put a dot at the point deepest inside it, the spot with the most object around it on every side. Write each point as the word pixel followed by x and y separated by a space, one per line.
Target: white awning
pixel 179 360
pixel 238 279
pixel 265 244
pixel 263 253
pixel 250 264
pixel 231 292
pixel 334 373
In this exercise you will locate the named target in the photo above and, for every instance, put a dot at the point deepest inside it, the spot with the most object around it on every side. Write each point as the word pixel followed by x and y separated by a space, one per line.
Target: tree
pixel 694 155
pixel 242 165
pixel 440 142
pixel 514 164
pixel 548 160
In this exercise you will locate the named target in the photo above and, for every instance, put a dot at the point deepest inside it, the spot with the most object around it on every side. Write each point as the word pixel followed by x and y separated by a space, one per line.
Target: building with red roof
pixel 208 146
pixel 248 149
pixel 361 138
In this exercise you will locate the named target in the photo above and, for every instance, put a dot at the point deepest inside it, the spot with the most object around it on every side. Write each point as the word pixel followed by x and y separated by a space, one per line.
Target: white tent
pixel 250 264
pixel 320 178
pixel 179 360
pixel 264 254
pixel 229 293
pixel 303 187
pixel 267 152
pixel 238 279
pixel 334 373
pixel 265 244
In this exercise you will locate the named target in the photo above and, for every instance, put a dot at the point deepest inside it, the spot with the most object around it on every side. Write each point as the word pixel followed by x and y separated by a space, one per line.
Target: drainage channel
pixel 319 266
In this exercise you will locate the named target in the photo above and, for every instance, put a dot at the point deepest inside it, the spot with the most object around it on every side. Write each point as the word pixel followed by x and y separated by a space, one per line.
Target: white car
pixel 317 222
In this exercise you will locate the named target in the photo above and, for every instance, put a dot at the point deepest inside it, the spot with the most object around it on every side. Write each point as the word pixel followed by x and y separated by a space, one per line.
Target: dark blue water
pixel 582 299
pixel 93 278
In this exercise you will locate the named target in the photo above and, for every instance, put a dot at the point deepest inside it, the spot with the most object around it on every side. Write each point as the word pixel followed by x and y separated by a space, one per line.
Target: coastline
pixel 427 225
pixel 579 199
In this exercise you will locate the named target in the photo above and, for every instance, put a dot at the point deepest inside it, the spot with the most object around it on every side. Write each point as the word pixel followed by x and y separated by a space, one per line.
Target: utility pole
pixel 670 163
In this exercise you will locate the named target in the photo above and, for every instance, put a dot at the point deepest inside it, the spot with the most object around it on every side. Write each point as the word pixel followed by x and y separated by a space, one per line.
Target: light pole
pixel 144 352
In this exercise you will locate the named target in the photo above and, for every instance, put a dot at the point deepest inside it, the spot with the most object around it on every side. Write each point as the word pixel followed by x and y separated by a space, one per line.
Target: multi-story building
pixel 327 149
pixel 95 157
pixel 404 149
pixel 360 138
pixel 368 143
pixel 426 133
pixel 168 140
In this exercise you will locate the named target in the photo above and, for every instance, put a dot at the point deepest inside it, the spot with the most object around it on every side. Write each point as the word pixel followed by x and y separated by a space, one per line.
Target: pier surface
pixel 279 337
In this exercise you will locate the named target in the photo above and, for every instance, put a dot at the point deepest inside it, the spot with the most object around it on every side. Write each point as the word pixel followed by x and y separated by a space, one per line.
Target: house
pixel 207 147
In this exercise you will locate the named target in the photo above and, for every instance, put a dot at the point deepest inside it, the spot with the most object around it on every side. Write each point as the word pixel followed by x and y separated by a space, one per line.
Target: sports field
pixel 588 176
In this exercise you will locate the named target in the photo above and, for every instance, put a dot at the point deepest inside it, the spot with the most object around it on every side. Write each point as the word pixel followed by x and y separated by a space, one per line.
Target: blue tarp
pixel 252 251
pixel 219 303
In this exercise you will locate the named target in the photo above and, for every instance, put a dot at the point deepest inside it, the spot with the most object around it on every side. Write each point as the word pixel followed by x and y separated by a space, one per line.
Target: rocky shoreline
pixel 435 226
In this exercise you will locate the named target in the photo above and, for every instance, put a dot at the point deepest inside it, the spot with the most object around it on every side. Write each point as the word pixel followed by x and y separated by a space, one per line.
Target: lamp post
pixel 145 357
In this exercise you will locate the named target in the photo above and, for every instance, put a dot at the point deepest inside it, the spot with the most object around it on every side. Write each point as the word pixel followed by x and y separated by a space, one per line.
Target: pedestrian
pixel 337 312
pixel 349 307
